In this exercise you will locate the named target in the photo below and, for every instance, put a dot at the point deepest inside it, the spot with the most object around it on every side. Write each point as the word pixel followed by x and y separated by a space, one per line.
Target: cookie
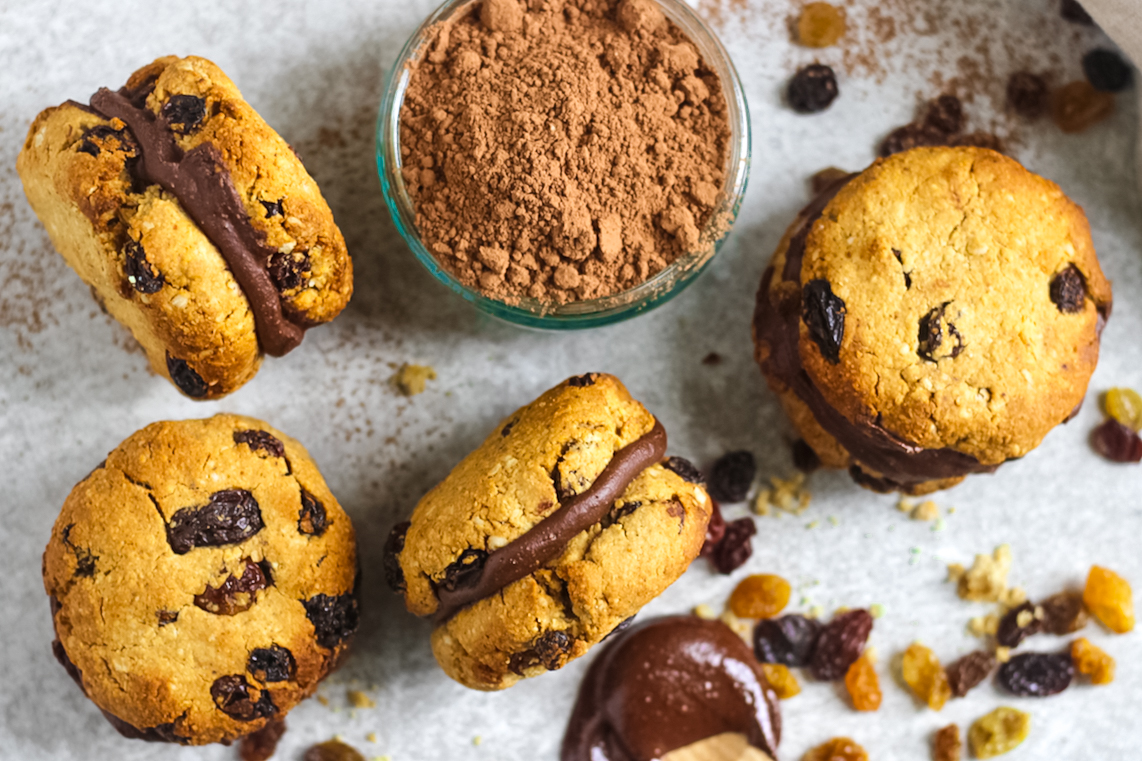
pixel 201 580
pixel 932 317
pixel 549 536
pixel 195 225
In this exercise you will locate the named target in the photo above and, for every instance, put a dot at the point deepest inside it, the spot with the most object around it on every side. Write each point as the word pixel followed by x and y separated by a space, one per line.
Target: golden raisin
pixel 863 685
pixel 1109 598
pixel 947 745
pixel 837 749
pixel 923 673
pixel 762 595
pixel 820 25
pixel 999 732
pixel 782 680
pixel 1125 406
pixel 1093 661
pixel 1078 106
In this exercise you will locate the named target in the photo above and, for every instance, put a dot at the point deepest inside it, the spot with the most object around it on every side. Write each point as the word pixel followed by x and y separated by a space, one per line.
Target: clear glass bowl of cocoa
pixel 564 164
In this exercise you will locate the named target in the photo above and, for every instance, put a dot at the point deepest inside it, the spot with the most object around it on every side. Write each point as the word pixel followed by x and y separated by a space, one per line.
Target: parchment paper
pixel 72 385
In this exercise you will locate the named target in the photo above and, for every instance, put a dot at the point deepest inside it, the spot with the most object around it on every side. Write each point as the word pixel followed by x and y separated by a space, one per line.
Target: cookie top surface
pixel 202 578
pixel 972 302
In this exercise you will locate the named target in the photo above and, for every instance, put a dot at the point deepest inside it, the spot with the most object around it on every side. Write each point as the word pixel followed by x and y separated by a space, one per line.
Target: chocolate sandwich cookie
pixel 194 223
pixel 553 533
pixel 932 317
pixel 201 580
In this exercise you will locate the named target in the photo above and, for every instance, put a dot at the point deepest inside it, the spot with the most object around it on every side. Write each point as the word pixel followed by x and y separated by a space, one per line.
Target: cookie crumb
pixel 371 737
pixel 876 610
pixel 926 511
pixel 984 626
pixel 410 380
pixel 358 699
pixel 705 612
pixel 739 626
pixel 477 740
pixel 1002 654
pixel 788 495
pixel 986 580
pixel 323 700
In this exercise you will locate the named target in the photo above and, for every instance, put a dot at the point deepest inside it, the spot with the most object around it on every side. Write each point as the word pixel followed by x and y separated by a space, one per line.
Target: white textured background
pixel 72 385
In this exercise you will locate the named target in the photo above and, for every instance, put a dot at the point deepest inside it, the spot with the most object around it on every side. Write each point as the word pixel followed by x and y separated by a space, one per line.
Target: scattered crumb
pixel 1002 654
pixel 955 571
pixel 410 380
pixel 371 737
pixel 926 511
pixel 713 358
pixel 1024 619
pixel 983 626
pixel 358 699
pixel 323 700
pixel 787 495
pixel 739 626
pixel 812 524
pixel 871 653
pixel 705 611
pixel 1013 597
pixel 876 609
pixel 833 521
pixel 939 525
pixel 816 611
pixel 477 740
pixel 906 505
pixel 986 580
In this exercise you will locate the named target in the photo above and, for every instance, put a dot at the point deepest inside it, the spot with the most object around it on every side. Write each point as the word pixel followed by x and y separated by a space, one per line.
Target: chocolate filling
pixel 899 463
pixel 546 539
pixel 666 684
pixel 204 187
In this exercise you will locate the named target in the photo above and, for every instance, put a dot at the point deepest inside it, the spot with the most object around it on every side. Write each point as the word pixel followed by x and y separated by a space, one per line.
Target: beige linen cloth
pixel 1122 20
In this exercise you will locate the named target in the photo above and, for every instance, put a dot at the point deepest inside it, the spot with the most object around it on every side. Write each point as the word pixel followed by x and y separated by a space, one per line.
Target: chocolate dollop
pixel 668 683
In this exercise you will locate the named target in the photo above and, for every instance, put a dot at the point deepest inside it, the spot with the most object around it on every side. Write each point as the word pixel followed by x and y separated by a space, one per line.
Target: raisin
pixel 237 593
pixel 102 132
pixel 334 618
pixel 863 685
pixel 999 732
pixel 969 671
pixel 508 428
pixel 260 745
pixel 1027 94
pixel 735 547
pixel 1068 290
pixel 141 274
pixel 271 664
pixel 1092 661
pixel 287 269
pixel 1125 406
pixel 1116 442
pixel 1109 599
pixel 390 557
pixel 840 642
pixel 465 571
pixel 167 617
pixel 548 650
pixel 732 475
pixel 1106 71
pixel 184 113
pixel 188 381
pixel 333 750
pixel 579 381
pixel 911 136
pixel 938 338
pixel 805 458
pixel 232 695
pixel 1018 624
pixel 715 530
pixel 684 469
pixel 1063 613
pixel 820 25
pixel 1073 11
pixel 812 89
pixel 924 675
pixel 824 315
pixel 274 208
pixel 260 441
pixel 1077 106
pixel 712 359
pixel 232 516
pixel 837 749
pixel 84 558
pixel 947 746
pixel 762 595
pixel 781 679
pixel 1037 675
pixel 311 518
pixel 945 114
pixel 788 640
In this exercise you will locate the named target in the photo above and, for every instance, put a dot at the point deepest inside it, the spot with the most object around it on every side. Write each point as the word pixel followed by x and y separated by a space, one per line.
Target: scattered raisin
pixel 1125 406
pixel 184 113
pixel 938 338
pixel 188 381
pixel 390 557
pixel 945 114
pixel 274 208
pixel 465 570
pixel 286 269
pixel 232 695
pixel 685 469
pixel 1027 94
pixel 805 458
pixel 579 381
pixel 812 89
pixel 1073 11
pixel 735 547
pixel 1018 624
pixel 824 315
pixel 840 642
pixel 1106 71
pixel 820 25
pixel 1037 675
pixel 260 441
pixel 715 530
pixel 1116 442
pixel 732 475
pixel 863 685
pixel 711 359
pixel 1092 661
pixel 947 746
pixel 311 518
pixel 141 274
pixel 271 664
pixel 231 516
pixel 1109 599
pixel 911 136
pixel 781 679
pixel 837 749
pixel 924 675
pixel 1068 290
pixel 260 745
pixel 237 593
pixel 548 650
pixel 788 640
pixel 1077 106
pixel 762 595
pixel 333 750
pixel 334 618
pixel 969 671
pixel 998 732
pixel 1063 613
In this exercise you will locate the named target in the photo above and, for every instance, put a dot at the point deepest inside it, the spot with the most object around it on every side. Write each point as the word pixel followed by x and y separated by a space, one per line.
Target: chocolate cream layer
pixel 897 462
pixel 201 182
pixel 544 541
pixel 666 684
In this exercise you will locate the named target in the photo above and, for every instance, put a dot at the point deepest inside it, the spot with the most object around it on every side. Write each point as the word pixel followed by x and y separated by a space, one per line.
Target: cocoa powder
pixel 562 149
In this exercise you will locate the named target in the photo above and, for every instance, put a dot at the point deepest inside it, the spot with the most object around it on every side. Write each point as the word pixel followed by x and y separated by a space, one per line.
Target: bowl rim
pixel 647 295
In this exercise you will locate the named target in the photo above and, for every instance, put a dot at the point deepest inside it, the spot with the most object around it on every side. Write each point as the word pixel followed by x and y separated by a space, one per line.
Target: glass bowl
pixel 587 313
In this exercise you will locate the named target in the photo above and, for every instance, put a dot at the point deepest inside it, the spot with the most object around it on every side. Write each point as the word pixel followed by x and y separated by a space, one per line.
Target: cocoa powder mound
pixel 562 150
